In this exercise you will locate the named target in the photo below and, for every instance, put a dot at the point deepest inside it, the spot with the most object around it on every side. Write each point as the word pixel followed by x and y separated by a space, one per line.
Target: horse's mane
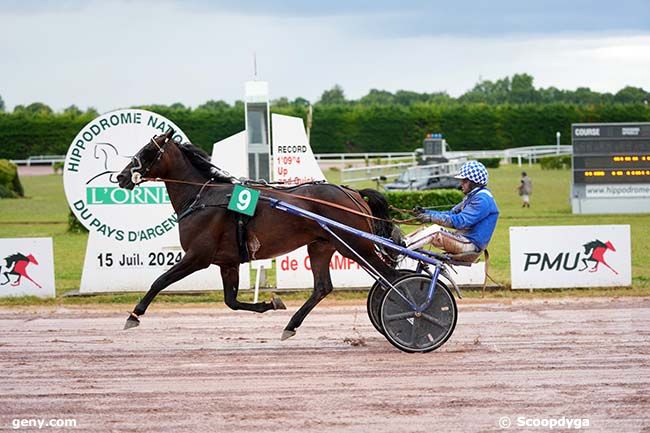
pixel 201 161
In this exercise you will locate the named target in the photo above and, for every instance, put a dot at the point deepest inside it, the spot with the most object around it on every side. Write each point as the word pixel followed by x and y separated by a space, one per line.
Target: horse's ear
pixel 170 134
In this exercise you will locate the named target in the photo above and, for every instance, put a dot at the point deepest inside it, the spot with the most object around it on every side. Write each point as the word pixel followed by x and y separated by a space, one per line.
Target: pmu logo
pixel 589 259
pixel 15 269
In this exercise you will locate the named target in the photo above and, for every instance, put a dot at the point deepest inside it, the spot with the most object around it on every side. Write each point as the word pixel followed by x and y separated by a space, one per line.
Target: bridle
pixel 136 164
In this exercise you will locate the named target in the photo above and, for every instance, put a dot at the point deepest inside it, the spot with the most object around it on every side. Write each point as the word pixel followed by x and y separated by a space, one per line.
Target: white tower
pixel 258 129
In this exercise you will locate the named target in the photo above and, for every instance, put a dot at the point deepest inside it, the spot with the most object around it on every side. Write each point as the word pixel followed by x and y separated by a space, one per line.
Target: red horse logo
pixel 596 251
pixel 16 264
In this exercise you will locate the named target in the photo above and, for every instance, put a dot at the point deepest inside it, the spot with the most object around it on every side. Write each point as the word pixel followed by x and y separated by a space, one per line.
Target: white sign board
pixel 27 267
pixel 294 163
pixel 293 160
pixel 293 271
pixel 133 235
pixel 570 256
pixel 230 155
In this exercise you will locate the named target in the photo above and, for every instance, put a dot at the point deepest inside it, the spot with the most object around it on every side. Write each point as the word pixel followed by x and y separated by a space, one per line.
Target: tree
pixel 522 90
pixel 300 102
pixel 584 95
pixel 488 92
pixel 438 98
pixel 177 106
pixel 407 97
pixel 551 95
pixel 38 108
pixel 378 97
pixel 213 105
pixel 73 110
pixel 2 105
pixel 632 95
pixel 280 102
pixel 334 95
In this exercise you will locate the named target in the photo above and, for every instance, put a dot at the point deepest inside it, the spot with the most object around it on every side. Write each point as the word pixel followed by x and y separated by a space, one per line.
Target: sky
pixel 117 54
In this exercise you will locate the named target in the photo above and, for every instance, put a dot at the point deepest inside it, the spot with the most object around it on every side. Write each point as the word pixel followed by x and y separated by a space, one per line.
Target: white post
pixel 257 283
pixel 557 143
pixel 259 266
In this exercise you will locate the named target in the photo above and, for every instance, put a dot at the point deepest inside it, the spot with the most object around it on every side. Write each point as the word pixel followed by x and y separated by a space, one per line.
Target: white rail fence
pixel 367 157
pixel 374 172
pixel 413 172
pixel 39 160
pixel 530 153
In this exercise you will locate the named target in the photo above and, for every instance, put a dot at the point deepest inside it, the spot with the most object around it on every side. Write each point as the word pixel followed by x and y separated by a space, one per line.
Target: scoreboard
pixel 611 167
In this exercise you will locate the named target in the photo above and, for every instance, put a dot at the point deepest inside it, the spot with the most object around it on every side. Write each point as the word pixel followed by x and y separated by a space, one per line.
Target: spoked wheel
pixel 375 296
pixel 418 332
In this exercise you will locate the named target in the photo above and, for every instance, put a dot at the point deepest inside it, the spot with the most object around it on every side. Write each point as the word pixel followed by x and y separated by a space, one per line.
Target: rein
pixel 298 196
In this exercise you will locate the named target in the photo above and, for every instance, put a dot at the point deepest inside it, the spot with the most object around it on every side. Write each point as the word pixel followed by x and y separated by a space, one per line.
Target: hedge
pixel 10 186
pixel 437 199
pixel 346 128
pixel 559 162
pixel 490 162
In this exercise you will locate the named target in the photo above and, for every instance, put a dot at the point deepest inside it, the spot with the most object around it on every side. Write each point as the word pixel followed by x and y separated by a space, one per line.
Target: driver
pixel 474 218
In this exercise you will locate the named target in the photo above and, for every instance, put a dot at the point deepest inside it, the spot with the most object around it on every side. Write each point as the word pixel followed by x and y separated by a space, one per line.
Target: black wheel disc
pixel 409 330
pixel 375 296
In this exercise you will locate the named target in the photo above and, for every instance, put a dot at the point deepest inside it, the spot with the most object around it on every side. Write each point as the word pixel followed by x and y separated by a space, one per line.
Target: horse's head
pixel 148 162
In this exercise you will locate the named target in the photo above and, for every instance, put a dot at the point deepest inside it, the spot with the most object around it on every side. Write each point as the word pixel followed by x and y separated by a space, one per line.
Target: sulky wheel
pixel 375 295
pixel 418 332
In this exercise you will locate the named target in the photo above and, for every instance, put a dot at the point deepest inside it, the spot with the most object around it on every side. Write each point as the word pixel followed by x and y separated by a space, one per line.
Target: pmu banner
pixel 570 256
pixel 27 267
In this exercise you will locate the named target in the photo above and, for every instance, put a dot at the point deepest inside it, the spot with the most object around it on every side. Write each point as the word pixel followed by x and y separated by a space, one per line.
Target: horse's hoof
pixel 287 334
pixel 131 322
pixel 278 304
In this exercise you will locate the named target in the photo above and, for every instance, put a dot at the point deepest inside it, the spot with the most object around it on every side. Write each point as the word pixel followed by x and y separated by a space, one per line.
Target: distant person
pixel 474 218
pixel 525 189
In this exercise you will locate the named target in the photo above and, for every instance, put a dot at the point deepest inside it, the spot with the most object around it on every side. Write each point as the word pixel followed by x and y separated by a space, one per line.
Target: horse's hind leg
pixel 320 254
pixel 230 277
pixel 189 264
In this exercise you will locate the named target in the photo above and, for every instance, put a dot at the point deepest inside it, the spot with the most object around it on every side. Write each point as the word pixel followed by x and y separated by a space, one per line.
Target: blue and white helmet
pixel 474 171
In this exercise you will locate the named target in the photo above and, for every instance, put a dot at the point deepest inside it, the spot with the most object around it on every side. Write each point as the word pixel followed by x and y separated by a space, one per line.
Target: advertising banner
pixel 27 267
pixel 570 256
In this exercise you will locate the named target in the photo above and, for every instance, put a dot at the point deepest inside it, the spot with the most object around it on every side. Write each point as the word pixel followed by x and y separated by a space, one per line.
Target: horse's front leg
pixel 189 264
pixel 230 278
pixel 320 254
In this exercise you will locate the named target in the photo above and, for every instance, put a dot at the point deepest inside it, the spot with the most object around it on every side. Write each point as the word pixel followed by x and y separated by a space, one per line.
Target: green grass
pixel 44 214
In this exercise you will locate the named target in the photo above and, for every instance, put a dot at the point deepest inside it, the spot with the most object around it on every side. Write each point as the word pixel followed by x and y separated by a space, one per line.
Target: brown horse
pixel 209 234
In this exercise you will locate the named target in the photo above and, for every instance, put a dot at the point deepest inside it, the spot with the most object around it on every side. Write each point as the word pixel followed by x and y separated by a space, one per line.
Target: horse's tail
pixel 383 227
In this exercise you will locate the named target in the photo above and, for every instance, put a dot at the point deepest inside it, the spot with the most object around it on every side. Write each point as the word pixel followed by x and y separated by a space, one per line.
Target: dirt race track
pixel 209 369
